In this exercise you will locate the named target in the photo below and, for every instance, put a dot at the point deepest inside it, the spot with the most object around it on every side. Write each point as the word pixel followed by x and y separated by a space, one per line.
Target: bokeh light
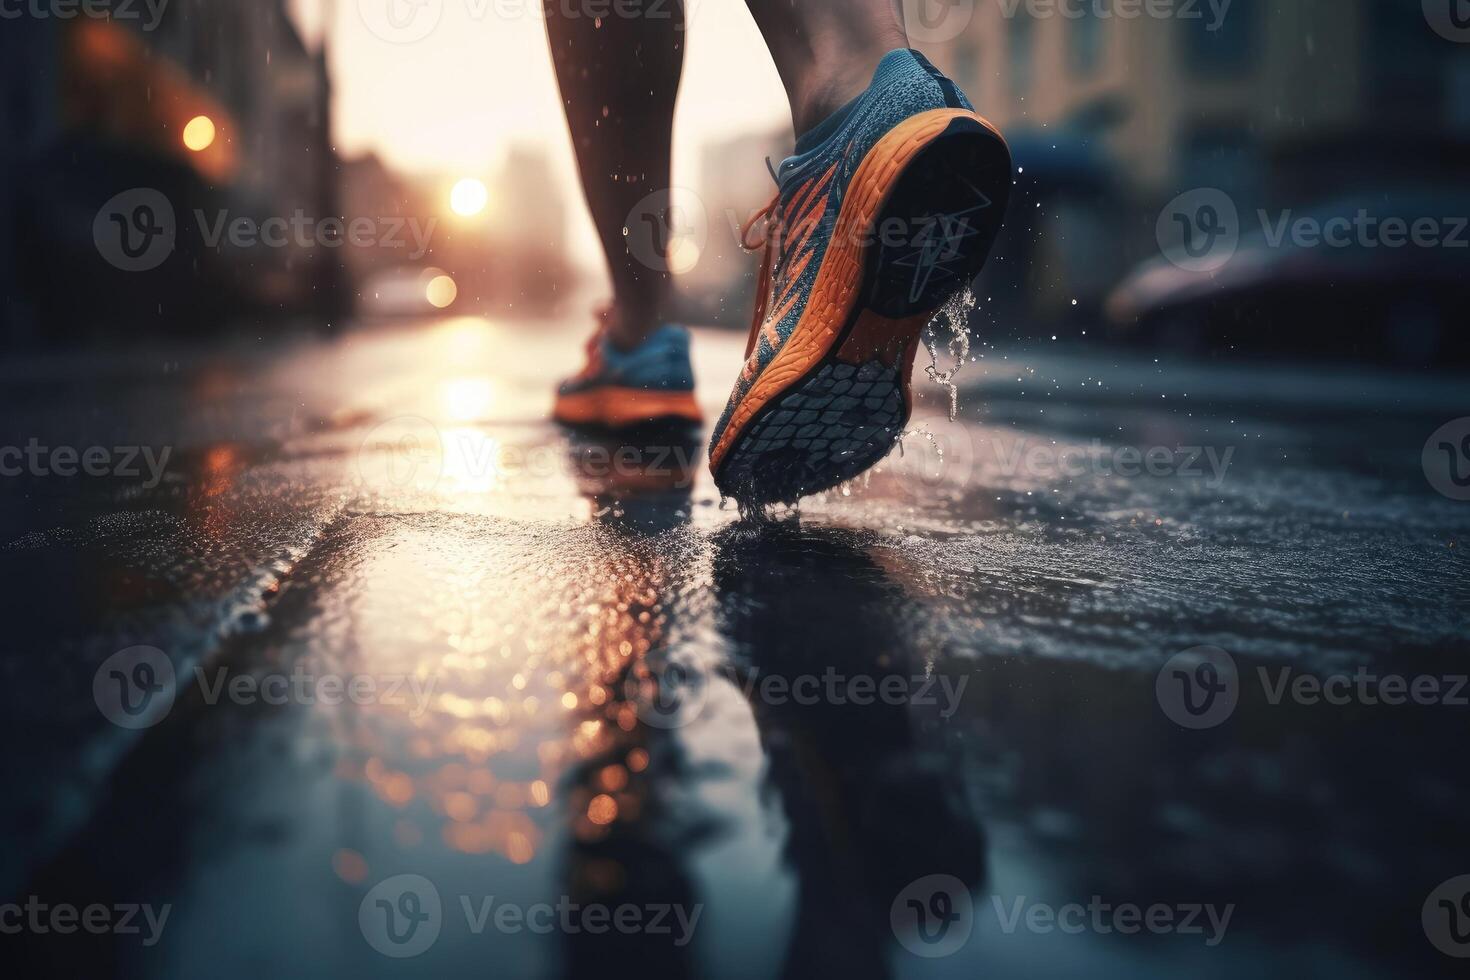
pixel 441 292
pixel 199 133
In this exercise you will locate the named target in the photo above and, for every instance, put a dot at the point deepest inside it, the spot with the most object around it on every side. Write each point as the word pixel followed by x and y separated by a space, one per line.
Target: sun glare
pixel 469 197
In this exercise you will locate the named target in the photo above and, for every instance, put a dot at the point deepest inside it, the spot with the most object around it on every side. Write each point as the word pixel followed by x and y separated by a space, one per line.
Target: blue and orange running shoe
pixel 651 384
pixel 887 210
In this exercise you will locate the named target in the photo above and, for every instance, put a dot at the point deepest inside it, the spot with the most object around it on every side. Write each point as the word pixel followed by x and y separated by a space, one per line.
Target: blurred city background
pixel 1291 108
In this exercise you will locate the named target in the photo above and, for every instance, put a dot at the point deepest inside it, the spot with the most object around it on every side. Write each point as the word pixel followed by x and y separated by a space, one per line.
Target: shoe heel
pixel 935 231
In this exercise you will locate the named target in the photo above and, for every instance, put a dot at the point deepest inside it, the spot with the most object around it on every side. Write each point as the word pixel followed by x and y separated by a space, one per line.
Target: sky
pixel 446 88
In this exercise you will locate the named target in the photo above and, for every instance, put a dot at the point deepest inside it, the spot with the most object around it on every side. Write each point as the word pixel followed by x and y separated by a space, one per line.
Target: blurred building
pixel 1176 102
pixel 30 118
pixel 1280 103
pixel 716 283
pixel 106 105
pixel 512 258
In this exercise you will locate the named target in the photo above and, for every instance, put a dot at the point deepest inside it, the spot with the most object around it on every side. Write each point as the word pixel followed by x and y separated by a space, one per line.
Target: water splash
pixel 956 316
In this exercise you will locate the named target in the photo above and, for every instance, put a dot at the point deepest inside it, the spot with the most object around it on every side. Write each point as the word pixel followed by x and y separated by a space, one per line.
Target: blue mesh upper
pixel 660 363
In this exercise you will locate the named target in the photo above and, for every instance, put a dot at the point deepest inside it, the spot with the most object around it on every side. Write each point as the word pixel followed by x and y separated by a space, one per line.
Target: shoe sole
pixel 624 408
pixel 835 399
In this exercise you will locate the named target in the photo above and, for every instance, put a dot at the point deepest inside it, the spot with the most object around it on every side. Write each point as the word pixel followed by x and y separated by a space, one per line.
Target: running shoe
pixel 618 389
pixel 887 210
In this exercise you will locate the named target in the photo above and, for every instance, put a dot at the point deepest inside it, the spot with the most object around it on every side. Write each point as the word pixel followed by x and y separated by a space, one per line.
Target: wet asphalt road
pixel 584 684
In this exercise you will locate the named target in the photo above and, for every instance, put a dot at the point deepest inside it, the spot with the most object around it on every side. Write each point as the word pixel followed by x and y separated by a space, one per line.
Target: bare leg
pixel 619 76
pixel 826 50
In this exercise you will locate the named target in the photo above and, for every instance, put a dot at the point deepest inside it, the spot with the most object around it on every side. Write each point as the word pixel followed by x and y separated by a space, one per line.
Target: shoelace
pixel 770 244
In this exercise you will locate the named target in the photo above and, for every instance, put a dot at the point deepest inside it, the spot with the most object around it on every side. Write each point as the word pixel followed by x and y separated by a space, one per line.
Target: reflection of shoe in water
pixel 653 382
pixel 873 799
pixel 887 211
pixel 647 461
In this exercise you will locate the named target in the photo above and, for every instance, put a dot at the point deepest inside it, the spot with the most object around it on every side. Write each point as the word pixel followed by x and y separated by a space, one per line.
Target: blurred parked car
pixel 1352 298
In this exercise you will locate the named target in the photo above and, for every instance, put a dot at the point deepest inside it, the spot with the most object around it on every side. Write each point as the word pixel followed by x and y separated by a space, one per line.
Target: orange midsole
pixel 838 282
pixel 625 406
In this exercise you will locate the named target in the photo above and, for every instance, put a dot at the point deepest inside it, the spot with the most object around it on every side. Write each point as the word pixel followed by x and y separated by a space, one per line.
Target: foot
pixel 887 211
pixel 619 389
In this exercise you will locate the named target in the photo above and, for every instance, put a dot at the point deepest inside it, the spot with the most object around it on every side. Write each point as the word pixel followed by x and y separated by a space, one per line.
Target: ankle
pixel 627 327
pixel 835 81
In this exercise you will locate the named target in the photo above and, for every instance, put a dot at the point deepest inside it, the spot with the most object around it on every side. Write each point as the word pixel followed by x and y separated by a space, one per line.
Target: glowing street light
pixel 199 133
